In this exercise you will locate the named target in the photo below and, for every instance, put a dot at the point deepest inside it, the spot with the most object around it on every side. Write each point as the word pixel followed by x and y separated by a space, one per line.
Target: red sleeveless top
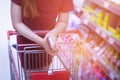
pixel 48 13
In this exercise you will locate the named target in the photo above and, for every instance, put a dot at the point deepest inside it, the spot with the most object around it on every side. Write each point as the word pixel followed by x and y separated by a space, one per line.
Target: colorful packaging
pixel 106 20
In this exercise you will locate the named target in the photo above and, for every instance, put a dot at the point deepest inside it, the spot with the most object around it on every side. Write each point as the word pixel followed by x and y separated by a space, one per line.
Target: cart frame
pixel 17 73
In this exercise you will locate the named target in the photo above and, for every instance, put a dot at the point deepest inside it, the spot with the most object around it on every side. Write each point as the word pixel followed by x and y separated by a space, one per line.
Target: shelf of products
pixel 102 18
pixel 103 33
pixel 108 5
pixel 96 48
pixel 102 64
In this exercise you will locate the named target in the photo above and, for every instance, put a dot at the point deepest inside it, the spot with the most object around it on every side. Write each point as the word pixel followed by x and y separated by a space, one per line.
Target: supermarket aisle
pixel 102 39
pixel 5 24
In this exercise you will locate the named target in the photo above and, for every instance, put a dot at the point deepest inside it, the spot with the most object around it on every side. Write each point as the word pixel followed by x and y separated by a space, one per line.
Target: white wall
pixel 5 24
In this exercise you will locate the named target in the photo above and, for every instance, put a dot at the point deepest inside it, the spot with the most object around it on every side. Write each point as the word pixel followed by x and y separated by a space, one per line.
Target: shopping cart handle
pixel 40 32
pixel 10 32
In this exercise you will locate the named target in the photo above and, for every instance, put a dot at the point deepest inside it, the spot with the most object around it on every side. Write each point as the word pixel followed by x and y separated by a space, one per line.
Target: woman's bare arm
pixel 20 27
pixel 62 22
pixel 60 27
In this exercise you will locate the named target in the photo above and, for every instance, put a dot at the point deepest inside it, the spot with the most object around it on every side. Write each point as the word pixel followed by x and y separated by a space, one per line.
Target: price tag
pixel 111 40
pixel 103 35
pixel 97 30
pixel 50 72
pixel 106 4
pixel 111 75
pixel 99 53
pixel 86 21
pixel 94 58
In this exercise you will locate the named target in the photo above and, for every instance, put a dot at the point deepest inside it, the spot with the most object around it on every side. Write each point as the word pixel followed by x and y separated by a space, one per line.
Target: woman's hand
pixel 51 39
pixel 46 47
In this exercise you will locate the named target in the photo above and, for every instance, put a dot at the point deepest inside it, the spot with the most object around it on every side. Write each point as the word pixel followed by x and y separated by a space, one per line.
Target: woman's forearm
pixel 60 27
pixel 62 22
pixel 16 17
pixel 28 33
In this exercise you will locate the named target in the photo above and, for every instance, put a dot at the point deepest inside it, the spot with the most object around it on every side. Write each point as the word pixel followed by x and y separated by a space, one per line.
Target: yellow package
pixel 106 21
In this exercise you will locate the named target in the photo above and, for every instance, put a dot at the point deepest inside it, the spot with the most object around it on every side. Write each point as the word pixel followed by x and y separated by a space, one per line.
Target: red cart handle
pixel 11 32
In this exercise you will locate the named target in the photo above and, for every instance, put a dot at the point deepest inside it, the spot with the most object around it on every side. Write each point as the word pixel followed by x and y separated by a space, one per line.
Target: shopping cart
pixel 63 66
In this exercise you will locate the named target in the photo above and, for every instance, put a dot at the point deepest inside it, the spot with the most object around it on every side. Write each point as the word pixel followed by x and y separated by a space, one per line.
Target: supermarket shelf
pixel 111 73
pixel 97 60
pixel 103 33
pixel 108 5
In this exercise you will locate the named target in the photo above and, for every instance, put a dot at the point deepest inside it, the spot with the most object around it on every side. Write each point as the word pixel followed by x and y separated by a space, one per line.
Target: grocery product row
pixel 103 54
pixel 100 25
pixel 94 52
pixel 103 22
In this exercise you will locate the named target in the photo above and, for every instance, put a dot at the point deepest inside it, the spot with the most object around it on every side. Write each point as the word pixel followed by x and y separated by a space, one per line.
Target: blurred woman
pixel 30 15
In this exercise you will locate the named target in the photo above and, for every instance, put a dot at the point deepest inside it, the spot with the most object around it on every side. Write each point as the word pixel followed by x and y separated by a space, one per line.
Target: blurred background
pixel 5 24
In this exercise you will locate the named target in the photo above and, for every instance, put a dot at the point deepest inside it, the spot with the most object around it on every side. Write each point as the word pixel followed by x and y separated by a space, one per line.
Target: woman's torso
pixel 47 15
pixel 48 11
